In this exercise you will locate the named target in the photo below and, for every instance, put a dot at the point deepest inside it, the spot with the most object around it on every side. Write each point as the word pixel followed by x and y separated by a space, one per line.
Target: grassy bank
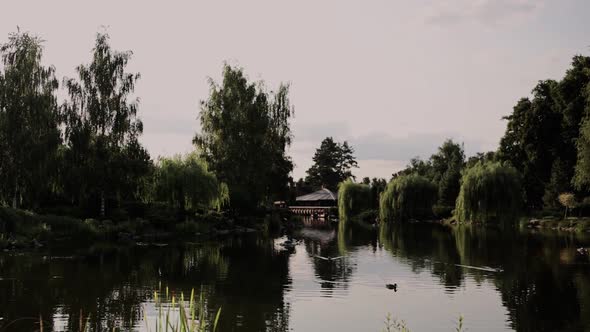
pixel 21 229
pixel 571 224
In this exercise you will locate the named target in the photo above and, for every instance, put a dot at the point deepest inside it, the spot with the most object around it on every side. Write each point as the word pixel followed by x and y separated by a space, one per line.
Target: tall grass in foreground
pixel 395 325
pixel 177 317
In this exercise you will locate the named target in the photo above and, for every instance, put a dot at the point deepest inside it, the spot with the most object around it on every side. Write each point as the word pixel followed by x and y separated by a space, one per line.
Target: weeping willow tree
pixel 490 192
pixel 353 198
pixel 187 183
pixel 407 197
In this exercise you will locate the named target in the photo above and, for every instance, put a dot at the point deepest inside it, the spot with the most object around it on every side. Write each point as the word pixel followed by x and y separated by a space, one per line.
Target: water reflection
pixel 334 279
pixel 543 284
pixel 108 289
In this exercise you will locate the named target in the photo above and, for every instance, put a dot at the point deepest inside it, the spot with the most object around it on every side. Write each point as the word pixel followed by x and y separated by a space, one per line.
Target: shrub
pixel 118 214
pixel 407 197
pixel 567 200
pixel 186 182
pixel 3 241
pixel 353 198
pixel 188 227
pixel 161 215
pixel 442 211
pixel 583 225
pixel 490 192
pixel 67 226
pixel 134 209
pixel 30 225
pixel 62 210
pixel 368 216
pixel 16 221
pixel 211 217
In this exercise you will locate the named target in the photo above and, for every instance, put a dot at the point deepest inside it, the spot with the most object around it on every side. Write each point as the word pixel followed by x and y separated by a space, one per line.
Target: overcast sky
pixel 394 78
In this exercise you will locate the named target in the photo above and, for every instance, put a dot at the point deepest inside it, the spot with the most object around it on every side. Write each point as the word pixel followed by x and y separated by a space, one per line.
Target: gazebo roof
pixel 320 195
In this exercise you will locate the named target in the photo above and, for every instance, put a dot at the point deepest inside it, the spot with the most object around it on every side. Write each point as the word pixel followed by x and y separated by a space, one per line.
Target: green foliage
pixel 377 187
pixel 490 192
pixel 582 172
pixel 103 157
pixel 353 198
pixel 187 183
pixel 568 201
pixel 29 123
pixel 558 183
pixel 332 164
pixel 33 226
pixel 443 211
pixel 417 166
pixel 161 214
pixel 447 164
pixel 481 157
pixel 245 133
pixel 407 197
pixel 177 315
pixel 547 137
pixel 443 169
pixel 300 188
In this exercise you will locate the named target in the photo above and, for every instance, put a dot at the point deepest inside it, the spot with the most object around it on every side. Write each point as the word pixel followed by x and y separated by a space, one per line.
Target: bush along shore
pixel 22 229
pixel 570 224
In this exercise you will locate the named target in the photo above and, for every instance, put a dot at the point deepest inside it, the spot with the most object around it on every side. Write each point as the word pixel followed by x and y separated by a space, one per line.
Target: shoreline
pixel 24 230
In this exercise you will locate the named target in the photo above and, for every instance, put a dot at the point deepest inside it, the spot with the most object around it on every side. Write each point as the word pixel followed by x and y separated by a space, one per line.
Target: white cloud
pixel 491 12
pixel 378 168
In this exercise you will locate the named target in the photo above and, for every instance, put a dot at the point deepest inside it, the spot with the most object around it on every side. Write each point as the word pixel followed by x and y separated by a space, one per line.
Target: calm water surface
pixel 498 281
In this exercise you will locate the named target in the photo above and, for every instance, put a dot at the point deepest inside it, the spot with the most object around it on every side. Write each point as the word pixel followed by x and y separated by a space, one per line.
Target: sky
pixel 393 78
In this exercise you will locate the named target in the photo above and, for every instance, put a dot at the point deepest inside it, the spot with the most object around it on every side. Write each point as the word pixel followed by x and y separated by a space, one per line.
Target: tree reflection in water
pixel 544 285
pixel 109 286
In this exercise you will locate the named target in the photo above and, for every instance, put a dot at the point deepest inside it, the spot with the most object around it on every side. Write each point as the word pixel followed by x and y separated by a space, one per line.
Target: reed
pixel 395 325
pixel 177 315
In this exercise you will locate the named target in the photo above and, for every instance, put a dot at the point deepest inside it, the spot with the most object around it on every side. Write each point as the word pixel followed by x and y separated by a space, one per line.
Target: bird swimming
pixel 392 286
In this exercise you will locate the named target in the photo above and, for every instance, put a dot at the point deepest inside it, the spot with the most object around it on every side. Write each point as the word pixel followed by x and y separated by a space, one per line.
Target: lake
pixel 330 280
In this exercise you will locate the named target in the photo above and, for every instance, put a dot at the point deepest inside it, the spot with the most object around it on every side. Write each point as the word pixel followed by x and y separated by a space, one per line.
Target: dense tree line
pixel 85 153
pixel 443 169
pixel 547 137
pixel 547 141
pixel 542 158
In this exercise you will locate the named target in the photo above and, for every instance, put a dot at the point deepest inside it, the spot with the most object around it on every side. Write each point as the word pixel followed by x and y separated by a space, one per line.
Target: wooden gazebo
pixel 318 202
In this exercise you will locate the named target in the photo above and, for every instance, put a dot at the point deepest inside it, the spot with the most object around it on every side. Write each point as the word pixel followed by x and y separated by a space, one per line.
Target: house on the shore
pixel 322 197
pixel 318 202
